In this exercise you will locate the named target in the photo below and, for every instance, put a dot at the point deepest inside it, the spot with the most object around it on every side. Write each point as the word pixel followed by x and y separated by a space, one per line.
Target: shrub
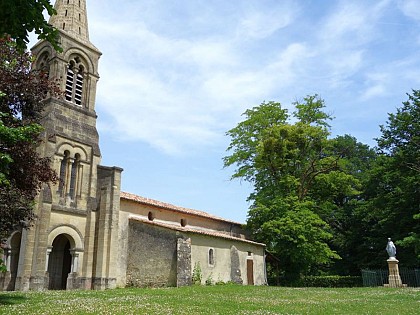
pixel 2 265
pixel 329 281
pixel 209 280
pixel 197 275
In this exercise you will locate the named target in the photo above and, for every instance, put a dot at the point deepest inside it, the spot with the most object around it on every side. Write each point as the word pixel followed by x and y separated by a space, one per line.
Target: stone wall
pixel 230 259
pixel 152 256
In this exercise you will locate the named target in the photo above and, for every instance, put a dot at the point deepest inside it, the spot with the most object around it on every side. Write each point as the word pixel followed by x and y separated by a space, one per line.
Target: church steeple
pixel 71 18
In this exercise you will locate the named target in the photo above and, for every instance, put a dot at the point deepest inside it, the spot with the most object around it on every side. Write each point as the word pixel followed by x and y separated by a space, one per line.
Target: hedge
pixel 330 281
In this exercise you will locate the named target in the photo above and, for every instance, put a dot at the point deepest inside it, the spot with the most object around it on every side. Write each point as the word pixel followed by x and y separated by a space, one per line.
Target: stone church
pixel 90 235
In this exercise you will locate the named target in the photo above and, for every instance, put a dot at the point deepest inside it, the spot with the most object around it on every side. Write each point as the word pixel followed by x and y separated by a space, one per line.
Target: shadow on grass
pixel 7 299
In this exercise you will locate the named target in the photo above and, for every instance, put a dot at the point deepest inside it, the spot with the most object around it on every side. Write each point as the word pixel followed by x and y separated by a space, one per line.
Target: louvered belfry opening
pixel 74 82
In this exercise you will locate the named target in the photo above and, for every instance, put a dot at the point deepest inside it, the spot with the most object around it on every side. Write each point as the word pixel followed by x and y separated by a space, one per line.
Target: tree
pixel 395 183
pixel 289 165
pixel 341 195
pixel 20 17
pixel 22 171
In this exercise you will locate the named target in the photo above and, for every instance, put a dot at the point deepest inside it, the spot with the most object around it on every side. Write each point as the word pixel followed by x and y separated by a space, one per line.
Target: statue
pixel 391 249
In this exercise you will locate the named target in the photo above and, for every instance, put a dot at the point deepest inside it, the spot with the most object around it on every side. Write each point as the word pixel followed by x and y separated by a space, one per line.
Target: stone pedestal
pixel 394 278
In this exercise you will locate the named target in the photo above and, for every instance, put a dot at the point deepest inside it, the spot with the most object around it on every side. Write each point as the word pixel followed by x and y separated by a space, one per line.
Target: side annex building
pixel 87 233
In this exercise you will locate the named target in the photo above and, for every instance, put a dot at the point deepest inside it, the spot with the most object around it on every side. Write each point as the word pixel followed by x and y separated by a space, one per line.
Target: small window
pixel 249 254
pixel 211 257
pixel 183 222
pixel 150 216
pixel 64 26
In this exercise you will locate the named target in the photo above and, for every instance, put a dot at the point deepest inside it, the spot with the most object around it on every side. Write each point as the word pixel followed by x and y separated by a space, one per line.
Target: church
pixel 88 234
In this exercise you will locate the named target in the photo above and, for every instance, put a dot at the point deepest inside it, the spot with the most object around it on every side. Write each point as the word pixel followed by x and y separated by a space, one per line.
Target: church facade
pixel 87 233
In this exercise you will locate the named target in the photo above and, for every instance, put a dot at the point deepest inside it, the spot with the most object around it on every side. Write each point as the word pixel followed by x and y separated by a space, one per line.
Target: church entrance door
pixel 59 263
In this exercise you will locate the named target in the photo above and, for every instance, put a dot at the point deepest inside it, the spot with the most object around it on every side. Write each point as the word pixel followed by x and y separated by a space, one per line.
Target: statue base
pixel 394 279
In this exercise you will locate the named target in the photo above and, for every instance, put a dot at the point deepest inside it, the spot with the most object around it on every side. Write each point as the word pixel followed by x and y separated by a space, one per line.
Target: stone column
pixel 75 261
pixel 7 257
pixel 394 278
pixel 47 260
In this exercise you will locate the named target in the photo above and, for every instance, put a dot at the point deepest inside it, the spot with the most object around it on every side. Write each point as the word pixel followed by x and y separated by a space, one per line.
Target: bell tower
pixel 73 240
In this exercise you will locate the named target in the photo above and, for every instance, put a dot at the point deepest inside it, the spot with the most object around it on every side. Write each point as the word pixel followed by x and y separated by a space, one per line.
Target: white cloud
pixel 178 82
pixel 410 8
pixel 261 23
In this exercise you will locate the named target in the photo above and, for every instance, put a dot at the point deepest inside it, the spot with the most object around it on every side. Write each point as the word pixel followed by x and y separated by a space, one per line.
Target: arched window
pixel 70 176
pixel 150 216
pixel 43 65
pixel 74 81
pixel 74 176
pixel 211 257
pixel 62 186
pixel 183 222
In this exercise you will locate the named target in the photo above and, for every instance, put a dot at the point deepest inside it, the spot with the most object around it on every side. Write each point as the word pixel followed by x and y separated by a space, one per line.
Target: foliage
pixel 2 265
pixel 306 185
pixel 20 17
pixel 209 280
pixel 401 141
pixel 22 171
pixel 223 299
pixel 297 237
pixel 330 281
pixel 197 274
pixel 393 189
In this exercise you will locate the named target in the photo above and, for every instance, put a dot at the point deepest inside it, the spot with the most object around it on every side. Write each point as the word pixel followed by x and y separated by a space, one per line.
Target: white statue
pixel 391 249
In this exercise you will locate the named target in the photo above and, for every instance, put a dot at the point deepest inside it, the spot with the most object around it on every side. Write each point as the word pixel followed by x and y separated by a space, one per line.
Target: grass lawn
pixel 226 299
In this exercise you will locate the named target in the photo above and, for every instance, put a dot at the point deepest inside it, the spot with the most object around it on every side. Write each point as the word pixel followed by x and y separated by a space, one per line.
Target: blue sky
pixel 176 75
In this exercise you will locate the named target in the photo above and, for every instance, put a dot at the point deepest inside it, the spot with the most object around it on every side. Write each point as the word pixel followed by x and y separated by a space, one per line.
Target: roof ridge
pixel 157 203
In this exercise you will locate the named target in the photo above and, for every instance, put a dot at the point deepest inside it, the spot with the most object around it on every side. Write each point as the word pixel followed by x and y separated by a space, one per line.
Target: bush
pixel 196 275
pixel 329 281
pixel 2 265
pixel 209 280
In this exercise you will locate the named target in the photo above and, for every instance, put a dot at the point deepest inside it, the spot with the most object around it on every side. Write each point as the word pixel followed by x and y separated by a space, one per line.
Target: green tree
pixel 20 17
pixel 395 182
pixel 289 164
pixel 340 194
pixel 22 171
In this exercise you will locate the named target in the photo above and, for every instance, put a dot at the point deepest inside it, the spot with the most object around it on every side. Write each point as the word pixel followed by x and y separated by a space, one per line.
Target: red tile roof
pixel 168 206
pixel 192 230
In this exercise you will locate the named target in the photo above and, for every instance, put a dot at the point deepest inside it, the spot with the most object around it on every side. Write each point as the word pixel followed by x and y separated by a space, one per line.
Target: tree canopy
pixel 20 17
pixel 395 186
pixel 22 171
pixel 319 198
pixel 299 175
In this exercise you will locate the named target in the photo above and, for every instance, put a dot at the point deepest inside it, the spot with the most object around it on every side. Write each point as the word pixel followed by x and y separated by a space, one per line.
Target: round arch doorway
pixel 59 263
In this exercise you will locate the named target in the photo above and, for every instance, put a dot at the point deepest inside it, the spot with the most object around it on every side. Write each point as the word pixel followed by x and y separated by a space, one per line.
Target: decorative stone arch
pixel 73 149
pixel 65 244
pixel 42 61
pixel 76 238
pixel 72 158
pixel 86 60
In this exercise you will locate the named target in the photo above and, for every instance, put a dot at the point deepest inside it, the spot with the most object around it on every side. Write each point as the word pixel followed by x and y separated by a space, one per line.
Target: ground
pixel 220 299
